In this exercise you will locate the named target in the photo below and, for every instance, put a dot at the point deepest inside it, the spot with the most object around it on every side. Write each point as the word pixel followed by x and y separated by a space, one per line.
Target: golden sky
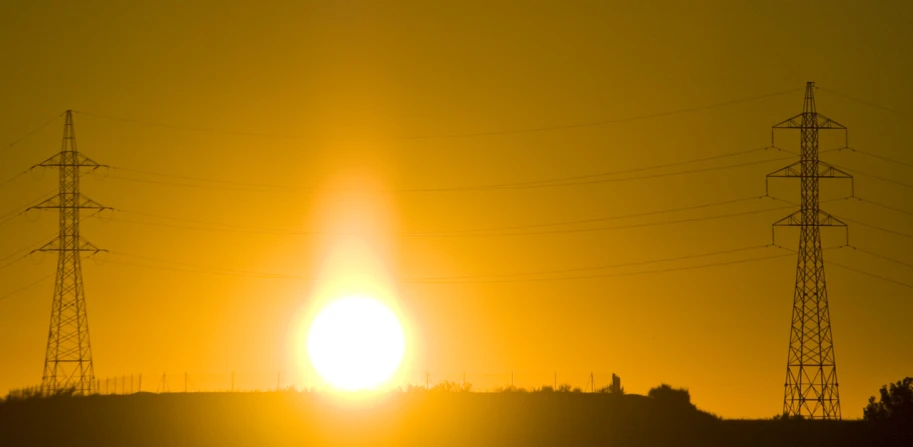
pixel 380 122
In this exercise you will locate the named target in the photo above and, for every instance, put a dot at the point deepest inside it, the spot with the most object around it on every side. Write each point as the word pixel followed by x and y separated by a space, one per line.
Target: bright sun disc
pixel 356 343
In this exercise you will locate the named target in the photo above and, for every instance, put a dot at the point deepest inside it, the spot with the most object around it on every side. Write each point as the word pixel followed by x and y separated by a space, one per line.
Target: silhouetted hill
pixel 408 419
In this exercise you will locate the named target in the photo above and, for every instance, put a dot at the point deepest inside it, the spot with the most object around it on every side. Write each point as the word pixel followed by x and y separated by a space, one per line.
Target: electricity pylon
pixel 68 359
pixel 811 388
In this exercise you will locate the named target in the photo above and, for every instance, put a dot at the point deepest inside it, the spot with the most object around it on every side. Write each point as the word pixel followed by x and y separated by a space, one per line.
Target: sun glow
pixel 356 343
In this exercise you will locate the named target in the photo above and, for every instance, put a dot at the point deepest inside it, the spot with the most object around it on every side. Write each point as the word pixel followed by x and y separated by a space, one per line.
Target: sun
pixel 356 343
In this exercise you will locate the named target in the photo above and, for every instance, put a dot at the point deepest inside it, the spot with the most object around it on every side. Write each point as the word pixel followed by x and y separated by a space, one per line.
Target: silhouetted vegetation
pixel 787 417
pixel 895 403
pixel 455 387
pixel 673 396
pixel 510 389
pixel 35 392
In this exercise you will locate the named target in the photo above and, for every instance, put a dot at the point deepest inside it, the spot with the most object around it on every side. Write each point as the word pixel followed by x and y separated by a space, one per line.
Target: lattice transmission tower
pixel 68 359
pixel 811 388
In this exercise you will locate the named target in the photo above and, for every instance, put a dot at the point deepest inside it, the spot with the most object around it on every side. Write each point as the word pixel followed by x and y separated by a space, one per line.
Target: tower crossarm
pixel 809 121
pixel 797 219
pixel 80 161
pixel 821 122
pixel 824 171
pixel 83 202
pixel 83 246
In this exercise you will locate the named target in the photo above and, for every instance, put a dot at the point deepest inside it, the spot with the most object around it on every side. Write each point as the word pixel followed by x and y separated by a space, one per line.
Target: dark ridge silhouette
pixel 440 416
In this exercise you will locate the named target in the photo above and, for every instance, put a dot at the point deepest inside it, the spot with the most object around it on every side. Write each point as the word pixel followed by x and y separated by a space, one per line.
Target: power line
pixel 887 207
pixel 479 233
pixel 886 258
pixel 609 121
pixel 33 131
pixel 545 183
pixel 597 219
pixel 570 182
pixel 868 103
pixel 601 267
pixel 13 178
pixel 612 275
pixel 186 185
pixel 877 177
pixel 17 291
pixel 857 171
pixel 836 199
pixel 451 135
pixel 209 225
pixel 28 248
pixel 187 128
pixel 458 280
pixel 222 229
pixel 863 272
pixel 879 157
pixel 16 212
pixel 13 262
pixel 209 272
pixel 846 219
pixel 230 227
pixel 619 227
pixel 630 171
pixel 876 227
pixel 192 268
pixel 205 180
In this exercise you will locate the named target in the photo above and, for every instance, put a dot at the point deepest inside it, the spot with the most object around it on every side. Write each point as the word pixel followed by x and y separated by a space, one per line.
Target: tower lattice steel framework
pixel 68 359
pixel 811 388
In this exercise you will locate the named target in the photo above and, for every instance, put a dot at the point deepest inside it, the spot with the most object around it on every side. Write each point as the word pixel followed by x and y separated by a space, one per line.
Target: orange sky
pixel 363 113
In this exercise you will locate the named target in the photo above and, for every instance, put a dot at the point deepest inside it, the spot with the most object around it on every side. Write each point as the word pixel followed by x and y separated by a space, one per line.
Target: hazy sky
pixel 380 123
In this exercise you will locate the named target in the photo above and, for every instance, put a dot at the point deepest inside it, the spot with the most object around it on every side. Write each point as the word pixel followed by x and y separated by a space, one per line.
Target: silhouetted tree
pixel 896 403
pixel 510 389
pixel 666 393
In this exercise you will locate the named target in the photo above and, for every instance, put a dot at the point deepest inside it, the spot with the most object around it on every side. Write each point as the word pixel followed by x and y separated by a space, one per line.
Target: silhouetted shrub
pixel 667 394
pixel 896 403
pixel 451 386
pixel 510 389
pixel 35 392
pixel 787 417
pixel 543 389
